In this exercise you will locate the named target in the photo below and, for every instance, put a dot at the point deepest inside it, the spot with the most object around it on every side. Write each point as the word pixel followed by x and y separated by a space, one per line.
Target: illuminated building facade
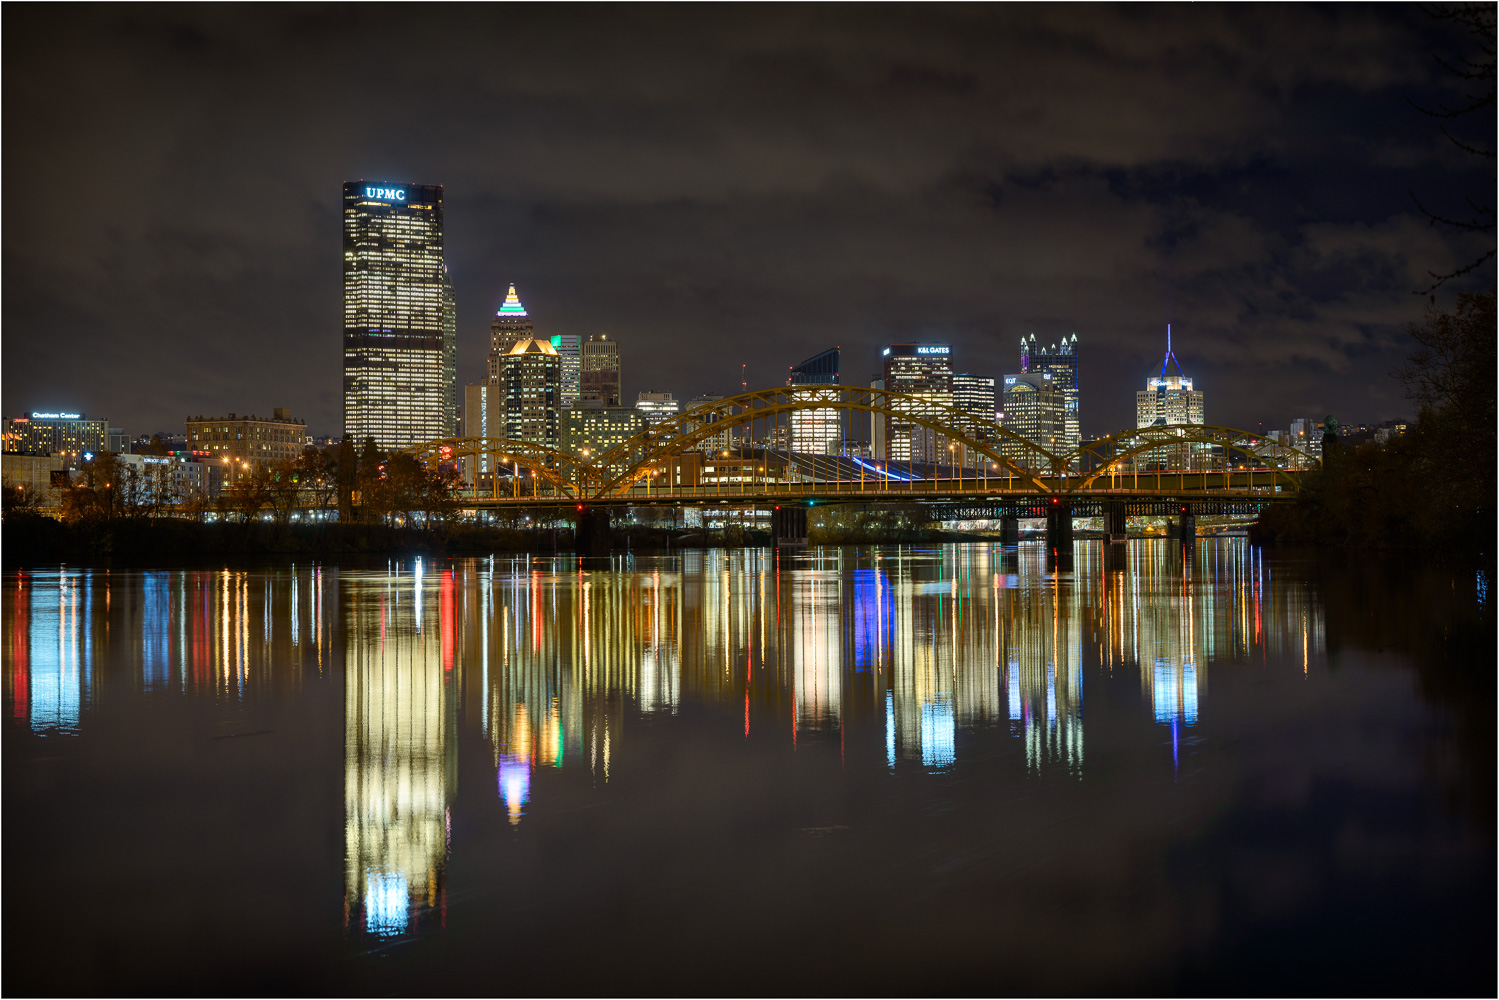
pixel 599 375
pixel 570 348
pixel 248 443
pixel 590 429
pixel 816 432
pixel 656 406
pixel 530 380
pixel 1036 409
pixel 449 355
pixel 55 434
pixel 510 326
pixel 720 441
pixel 399 354
pixel 483 417
pixel 923 370
pixel 1168 399
pixel 1060 362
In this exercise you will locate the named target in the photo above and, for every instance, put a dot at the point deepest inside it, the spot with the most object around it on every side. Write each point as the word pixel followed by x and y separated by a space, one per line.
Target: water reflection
pixel 548 659
pixel 400 764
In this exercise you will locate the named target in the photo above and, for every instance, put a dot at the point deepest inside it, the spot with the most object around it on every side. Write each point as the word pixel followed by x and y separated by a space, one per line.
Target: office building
pixel 976 394
pixel 530 382
pixel 599 377
pixel 34 474
pixel 1305 436
pixel 819 431
pixel 591 429
pixel 570 348
pixel 510 326
pixel 51 433
pixel 1060 362
pixel 397 337
pixel 483 417
pixel 924 371
pixel 1036 409
pixel 246 444
pixel 820 369
pixel 717 442
pixel 1168 399
pixel 657 407
pixel 449 355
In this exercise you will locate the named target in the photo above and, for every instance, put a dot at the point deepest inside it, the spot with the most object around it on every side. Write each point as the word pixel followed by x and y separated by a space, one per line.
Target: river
pixel 943 769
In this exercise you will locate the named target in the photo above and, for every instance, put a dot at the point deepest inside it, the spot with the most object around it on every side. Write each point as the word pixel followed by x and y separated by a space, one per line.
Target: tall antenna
pixel 1170 358
pixel 743 380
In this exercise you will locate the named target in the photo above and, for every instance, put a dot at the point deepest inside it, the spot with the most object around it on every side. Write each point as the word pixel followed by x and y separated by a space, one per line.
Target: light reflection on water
pixel 552 665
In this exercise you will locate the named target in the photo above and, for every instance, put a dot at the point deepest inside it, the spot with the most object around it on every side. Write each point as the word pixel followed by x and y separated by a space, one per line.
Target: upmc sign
pixel 385 194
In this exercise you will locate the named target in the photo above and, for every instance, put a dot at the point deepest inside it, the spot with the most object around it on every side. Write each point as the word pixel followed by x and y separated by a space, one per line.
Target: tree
pixel 347 471
pixel 1477 106
pixel 1450 375
pixel 94 495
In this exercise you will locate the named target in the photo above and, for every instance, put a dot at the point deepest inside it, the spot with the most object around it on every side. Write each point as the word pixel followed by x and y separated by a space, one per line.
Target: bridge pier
pixel 591 537
pixel 790 526
pixel 1009 530
pixel 1184 527
pixel 1114 521
pixel 1059 527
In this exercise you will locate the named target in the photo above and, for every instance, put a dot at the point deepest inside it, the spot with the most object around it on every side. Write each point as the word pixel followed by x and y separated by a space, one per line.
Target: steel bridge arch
pixel 1228 438
pixel 710 419
pixel 550 464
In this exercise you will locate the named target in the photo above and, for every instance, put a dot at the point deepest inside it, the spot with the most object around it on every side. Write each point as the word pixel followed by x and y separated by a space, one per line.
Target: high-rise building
pixel 1035 408
pixel 820 369
pixel 1168 399
pixel 717 442
pixel 591 429
pixel 483 417
pixel 975 394
pixel 922 370
pixel 449 354
pixel 657 407
pixel 55 434
pixel 530 380
pixel 396 297
pixel 570 348
pixel 819 431
pixel 1060 362
pixel 245 444
pixel 510 326
pixel 599 376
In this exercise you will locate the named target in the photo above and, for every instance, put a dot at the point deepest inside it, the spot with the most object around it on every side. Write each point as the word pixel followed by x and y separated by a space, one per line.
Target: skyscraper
pixel 511 326
pixel 920 370
pixel 570 347
pixel 816 432
pixel 599 376
pixel 530 381
pixel 1060 362
pixel 1168 399
pixel 396 330
pixel 1036 409
pixel 449 354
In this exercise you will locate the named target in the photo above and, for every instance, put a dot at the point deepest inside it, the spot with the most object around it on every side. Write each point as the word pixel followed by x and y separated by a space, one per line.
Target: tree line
pixel 367 486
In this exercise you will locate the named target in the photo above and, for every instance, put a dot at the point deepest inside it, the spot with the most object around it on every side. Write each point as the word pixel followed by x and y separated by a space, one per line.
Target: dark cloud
pixel 729 185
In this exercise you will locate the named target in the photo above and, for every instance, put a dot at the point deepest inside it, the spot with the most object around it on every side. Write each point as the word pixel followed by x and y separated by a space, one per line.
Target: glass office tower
pixel 397 298
pixel 1059 363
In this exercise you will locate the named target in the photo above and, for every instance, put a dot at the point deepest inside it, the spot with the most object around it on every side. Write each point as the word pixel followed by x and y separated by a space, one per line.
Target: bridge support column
pixel 1184 527
pixel 1059 527
pixel 592 536
pixel 1009 530
pixel 1114 521
pixel 790 524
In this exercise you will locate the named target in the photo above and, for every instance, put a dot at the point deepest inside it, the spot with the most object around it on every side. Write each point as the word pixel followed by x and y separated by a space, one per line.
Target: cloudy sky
pixel 727 186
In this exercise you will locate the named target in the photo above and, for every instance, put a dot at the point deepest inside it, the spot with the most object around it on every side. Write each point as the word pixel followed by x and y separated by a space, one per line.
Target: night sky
pixel 717 186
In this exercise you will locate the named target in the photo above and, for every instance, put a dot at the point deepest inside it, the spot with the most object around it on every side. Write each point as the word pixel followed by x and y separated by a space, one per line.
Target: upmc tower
pixel 400 359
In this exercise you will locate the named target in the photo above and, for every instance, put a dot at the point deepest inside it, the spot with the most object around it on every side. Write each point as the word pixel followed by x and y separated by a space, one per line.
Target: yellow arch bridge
pixel 796 446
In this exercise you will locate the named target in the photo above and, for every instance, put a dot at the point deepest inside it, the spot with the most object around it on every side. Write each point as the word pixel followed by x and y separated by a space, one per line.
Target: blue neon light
pixel 884 472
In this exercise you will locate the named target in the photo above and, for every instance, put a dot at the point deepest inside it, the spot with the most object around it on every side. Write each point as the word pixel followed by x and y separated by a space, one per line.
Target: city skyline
pixel 896 177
